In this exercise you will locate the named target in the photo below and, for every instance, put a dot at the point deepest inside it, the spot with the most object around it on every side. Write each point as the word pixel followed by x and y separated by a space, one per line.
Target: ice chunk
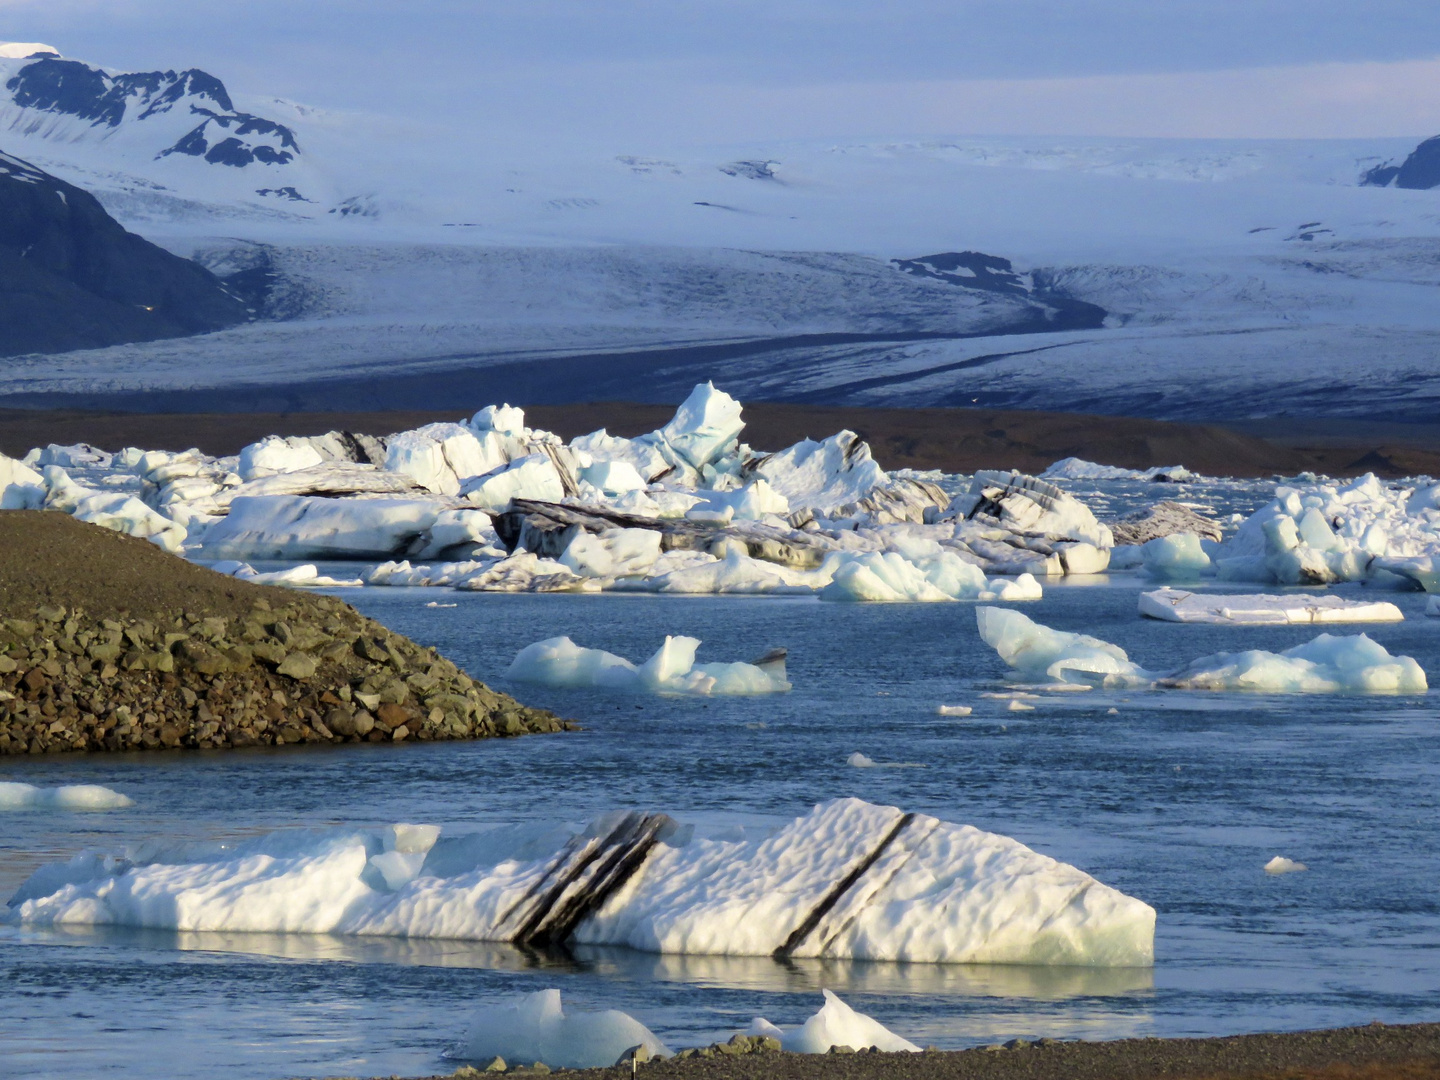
pixel 671 670
pixel 953 710
pixel 1074 468
pixel 1177 605
pixel 306 575
pixel 1328 664
pixel 827 477
pixel 275 454
pixel 614 553
pixel 753 502
pixel 858 760
pixel 126 514
pixel 440 457
pixel 613 477
pixel 705 425
pixel 531 477
pixel 1056 654
pixel 1031 507
pixel 303 527
pixel 18 796
pixel 502 419
pixel 534 1027
pixel 836 1024
pixel 1281 865
pixel 1178 555
pixel 21 487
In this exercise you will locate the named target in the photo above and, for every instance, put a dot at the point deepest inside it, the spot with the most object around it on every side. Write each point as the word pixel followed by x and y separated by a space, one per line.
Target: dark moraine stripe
pixel 805 929
pixel 580 879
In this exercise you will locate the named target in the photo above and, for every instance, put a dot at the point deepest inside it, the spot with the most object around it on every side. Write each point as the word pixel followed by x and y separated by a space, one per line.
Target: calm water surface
pixel 1179 799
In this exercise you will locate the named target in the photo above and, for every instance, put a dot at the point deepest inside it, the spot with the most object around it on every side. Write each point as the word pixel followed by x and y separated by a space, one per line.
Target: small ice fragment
pixel 953 710
pixel 534 1027
pixel 1112 711
pixel 1281 865
pixel 1020 706
pixel 432 603
pixel 836 1024
pixel 1011 695
pixel 858 760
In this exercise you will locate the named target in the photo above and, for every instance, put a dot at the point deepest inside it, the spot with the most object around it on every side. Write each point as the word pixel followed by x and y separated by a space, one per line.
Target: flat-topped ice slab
pixel 1263 609
pixel 847 880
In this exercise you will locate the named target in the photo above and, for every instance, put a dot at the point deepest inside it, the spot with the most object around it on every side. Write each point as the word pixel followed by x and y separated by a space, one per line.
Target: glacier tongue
pixel 847 880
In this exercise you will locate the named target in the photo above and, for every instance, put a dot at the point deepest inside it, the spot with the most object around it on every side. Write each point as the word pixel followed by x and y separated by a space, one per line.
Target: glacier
pixel 848 879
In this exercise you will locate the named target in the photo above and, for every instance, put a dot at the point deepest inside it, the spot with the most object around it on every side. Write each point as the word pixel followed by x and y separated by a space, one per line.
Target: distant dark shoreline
pixel 950 439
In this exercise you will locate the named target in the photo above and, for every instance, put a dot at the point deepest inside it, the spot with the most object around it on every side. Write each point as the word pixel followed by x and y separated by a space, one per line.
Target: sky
pixel 721 71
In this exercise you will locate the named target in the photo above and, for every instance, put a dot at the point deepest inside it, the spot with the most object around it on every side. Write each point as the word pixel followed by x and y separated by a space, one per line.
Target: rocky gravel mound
pixel 107 643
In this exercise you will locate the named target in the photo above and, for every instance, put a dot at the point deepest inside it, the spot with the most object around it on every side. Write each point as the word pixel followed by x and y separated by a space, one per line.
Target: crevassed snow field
pixel 1177 798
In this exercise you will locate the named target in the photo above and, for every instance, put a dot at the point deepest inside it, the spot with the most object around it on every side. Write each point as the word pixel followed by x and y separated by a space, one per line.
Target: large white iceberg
pixel 302 527
pixel 1328 664
pixel 671 670
pixel 1262 609
pixel 535 1027
pixel 847 880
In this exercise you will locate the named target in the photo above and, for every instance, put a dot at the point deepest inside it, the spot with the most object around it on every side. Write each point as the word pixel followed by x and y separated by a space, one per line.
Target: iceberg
pixel 704 427
pixel 1260 609
pixel 1281 865
pixel 18 796
pixel 891 577
pixel 671 670
pixel 1328 664
pixel 1074 468
pixel 535 1027
pixel 847 880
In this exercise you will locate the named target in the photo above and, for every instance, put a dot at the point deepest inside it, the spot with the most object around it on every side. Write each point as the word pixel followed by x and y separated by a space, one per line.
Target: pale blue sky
pixel 736 69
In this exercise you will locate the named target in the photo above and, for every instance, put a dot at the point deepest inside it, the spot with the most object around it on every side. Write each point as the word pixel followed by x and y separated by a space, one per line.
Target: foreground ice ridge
pixel 1328 664
pixel 671 670
pixel 847 880
pixel 490 504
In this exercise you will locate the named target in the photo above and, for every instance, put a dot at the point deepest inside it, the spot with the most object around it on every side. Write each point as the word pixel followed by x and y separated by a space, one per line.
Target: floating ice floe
pixel 1281 865
pixel 1177 605
pixel 858 760
pixel 489 504
pixel 953 710
pixel 1328 664
pixel 836 1024
pixel 1073 468
pixel 306 575
pixel 847 880
pixel 535 1027
pixel 18 796
pixel 671 670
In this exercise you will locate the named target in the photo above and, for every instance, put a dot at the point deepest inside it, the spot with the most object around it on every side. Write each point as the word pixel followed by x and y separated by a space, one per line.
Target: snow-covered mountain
pixel 414 263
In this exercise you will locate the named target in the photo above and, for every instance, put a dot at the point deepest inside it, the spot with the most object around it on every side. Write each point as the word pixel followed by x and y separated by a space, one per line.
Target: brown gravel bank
pixel 955 440
pixel 108 643
pixel 1375 1052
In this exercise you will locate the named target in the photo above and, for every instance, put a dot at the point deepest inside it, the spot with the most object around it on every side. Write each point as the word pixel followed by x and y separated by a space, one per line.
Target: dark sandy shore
pixel 955 440
pixel 1374 1052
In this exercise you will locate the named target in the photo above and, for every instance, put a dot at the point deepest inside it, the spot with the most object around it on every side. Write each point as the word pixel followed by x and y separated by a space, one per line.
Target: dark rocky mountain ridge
pixel 71 277
pixel 222 135
pixel 1420 171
